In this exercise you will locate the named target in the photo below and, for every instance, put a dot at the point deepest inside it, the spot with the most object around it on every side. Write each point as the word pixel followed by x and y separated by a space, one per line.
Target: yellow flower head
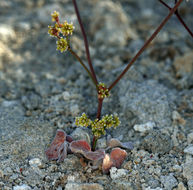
pixel 67 29
pixel 53 30
pixel 83 121
pixel 62 44
pixel 55 16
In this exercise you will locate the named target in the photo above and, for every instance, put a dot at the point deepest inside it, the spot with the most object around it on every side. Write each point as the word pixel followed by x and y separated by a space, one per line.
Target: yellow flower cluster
pixel 83 121
pixel 98 126
pixel 62 44
pixel 67 29
pixel 103 91
pixel 60 31
pixel 55 16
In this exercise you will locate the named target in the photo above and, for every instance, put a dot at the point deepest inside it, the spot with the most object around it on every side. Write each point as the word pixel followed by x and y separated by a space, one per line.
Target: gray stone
pixel 110 25
pixel 122 185
pixel 80 134
pixel 190 184
pixel 190 138
pixel 148 101
pixel 157 142
pixel 118 173
pixel 188 170
pixel 31 101
pixel 169 181
pixel 101 143
pixel 189 150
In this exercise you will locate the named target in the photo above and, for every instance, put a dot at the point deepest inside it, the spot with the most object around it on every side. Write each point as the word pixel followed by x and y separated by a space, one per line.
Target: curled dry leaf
pixel 57 149
pixel 95 156
pixel 118 156
pixel 107 164
pixel 80 146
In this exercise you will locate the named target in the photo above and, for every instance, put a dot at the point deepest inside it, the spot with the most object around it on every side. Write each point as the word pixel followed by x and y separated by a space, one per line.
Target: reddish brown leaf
pixel 95 156
pixel 118 156
pixel 79 146
pixel 53 152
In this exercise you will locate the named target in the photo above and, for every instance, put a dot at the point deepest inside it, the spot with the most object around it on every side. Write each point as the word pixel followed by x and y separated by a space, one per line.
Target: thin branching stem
pixel 80 61
pixel 179 17
pixel 85 41
pixel 172 11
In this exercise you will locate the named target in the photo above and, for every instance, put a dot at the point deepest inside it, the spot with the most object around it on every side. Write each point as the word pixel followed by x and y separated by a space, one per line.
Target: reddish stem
pixel 179 17
pixel 146 43
pixel 85 41
pixel 100 103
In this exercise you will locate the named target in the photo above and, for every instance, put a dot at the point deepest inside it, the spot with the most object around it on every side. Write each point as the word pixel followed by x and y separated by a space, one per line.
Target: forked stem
pixel 80 61
pixel 85 41
pixel 179 17
pixel 172 11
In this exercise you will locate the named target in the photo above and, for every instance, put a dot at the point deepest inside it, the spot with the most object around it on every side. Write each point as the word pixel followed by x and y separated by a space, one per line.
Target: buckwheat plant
pixel 62 31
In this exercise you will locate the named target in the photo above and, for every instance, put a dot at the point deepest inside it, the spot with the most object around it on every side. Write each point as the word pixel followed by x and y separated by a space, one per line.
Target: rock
pixel 177 118
pixel 190 184
pixel 7 33
pixel 31 101
pixel 35 162
pixel 110 25
pixel 148 101
pixel 83 186
pixel 180 187
pixel 189 150
pixel 157 142
pixel 144 127
pixel 190 138
pixel 74 109
pixel 80 134
pixel 101 143
pixel 122 185
pixel 118 173
pixel 188 170
pixel 66 95
pixel 169 182
pixel 184 64
pixel 22 187
pixel 157 188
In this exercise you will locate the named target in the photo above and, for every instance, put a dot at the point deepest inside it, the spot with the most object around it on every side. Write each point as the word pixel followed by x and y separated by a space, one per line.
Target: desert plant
pixel 62 32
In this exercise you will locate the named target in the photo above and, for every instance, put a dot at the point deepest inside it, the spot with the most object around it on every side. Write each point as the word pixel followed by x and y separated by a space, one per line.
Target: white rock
pixel 157 188
pixel 35 162
pixel 66 95
pixel 118 173
pixel 189 150
pixel 6 33
pixel 22 187
pixel 144 127
pixel 74 109
pixel 82 186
